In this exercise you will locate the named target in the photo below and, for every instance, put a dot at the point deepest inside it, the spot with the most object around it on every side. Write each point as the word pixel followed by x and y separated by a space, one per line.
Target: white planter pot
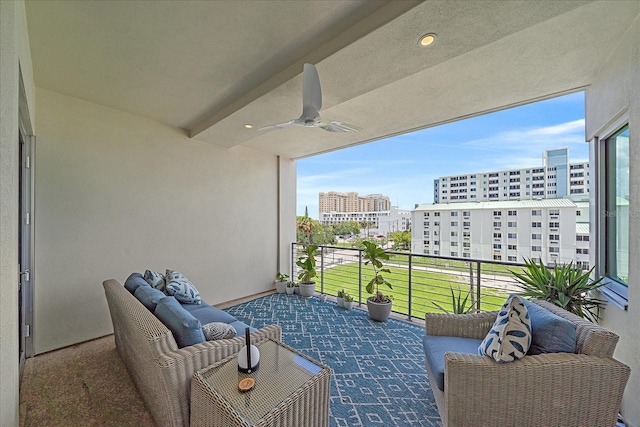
pixel 307 289
pixel 323 298
pixel 378 311
pixel 348 305
pixel 296 290
pixel 340 302
pixel 289 291
pixel 280 287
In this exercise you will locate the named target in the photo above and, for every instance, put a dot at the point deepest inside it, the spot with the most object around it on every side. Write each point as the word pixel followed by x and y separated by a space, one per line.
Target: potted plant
pixel 307 264
pixel 378 305
pixel 340 298
pixel 281 282
pixel 566 286
pixel 348 301
pixel 290 288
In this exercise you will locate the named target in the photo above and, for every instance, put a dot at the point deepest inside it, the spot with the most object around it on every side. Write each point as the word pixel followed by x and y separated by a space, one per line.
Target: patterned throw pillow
pixel 155 279
pixel 510 336
pixel 218 331
pixel 181 288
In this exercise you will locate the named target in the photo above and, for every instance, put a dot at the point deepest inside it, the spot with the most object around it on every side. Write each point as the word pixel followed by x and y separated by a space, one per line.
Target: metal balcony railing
pixel 421 283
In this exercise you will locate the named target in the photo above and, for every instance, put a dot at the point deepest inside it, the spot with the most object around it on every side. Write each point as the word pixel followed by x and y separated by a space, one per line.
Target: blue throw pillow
pixel 181 288
pixel 149 296
pixel 155 279
pixel 134 281
pixel 186 329
pixel 510 336
pixel 550 333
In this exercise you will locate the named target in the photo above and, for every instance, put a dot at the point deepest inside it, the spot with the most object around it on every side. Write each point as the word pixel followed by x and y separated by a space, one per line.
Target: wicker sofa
pixel 161 371
pixel 554 389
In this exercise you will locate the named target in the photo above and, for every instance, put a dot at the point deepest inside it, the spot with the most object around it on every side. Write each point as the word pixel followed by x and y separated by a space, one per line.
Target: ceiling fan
pixel 311 105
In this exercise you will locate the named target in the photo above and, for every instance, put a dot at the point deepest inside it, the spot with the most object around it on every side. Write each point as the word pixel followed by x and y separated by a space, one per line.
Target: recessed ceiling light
pixel 248 126
pixel 427 39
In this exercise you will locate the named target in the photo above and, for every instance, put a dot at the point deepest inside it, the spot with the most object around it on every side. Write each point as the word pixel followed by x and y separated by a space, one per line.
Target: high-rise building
pixel 379 222
pixel 556 178
pixel 555 231
pixel 333 201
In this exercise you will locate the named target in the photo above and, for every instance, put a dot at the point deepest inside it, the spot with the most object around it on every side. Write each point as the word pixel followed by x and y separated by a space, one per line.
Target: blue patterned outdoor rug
pixel 378 374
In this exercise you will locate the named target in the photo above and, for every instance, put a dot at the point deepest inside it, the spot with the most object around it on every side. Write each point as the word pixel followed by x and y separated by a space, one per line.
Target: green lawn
pixel 427 287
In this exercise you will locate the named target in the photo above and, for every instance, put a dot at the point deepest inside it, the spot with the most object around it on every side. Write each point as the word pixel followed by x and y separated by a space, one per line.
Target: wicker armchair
pixel 559 389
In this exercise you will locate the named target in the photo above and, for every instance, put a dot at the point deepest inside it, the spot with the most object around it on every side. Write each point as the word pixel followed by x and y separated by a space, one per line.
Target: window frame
pixel 613 290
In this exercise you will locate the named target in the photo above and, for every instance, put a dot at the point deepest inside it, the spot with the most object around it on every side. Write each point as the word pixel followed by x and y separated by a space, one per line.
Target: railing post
pixel 322 248
pixel 410 284
pixel 478 285
pixel 471 292
pixel 359 278
pixel 293 258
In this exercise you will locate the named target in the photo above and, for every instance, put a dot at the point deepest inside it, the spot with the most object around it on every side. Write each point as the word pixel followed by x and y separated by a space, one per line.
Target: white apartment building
pixel 333 201
pixel 556 178
pixel 382 222
pixel 506 231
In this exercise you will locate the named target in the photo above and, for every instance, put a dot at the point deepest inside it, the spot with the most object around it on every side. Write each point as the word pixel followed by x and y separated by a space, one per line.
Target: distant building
pixel 381 222
pixel 352 202
pixel 506 231
pixel 556 178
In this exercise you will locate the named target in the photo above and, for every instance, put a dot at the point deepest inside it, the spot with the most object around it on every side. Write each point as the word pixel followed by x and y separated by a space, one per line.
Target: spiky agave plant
pixel 458 303
pixel 566 286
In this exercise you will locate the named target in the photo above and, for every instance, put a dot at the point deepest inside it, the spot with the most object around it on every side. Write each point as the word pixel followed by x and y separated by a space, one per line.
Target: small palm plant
pixel 374 256
pixel 566 286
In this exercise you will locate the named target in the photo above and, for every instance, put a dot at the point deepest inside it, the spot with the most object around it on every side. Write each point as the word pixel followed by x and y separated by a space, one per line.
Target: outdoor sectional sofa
pixel 161 370
pixel 583 388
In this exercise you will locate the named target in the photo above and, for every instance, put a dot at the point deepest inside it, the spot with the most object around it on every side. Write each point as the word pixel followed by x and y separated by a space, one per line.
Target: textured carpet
pixel 378 373
pixel 83 385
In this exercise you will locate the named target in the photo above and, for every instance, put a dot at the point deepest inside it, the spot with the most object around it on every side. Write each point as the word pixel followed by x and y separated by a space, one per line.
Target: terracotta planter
pixel 378 311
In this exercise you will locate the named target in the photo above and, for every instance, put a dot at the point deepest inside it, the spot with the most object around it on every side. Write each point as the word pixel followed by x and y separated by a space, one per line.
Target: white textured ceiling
pixel 211 67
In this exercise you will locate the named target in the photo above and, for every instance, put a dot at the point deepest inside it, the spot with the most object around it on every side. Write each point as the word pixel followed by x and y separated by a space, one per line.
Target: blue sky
pixel 403 167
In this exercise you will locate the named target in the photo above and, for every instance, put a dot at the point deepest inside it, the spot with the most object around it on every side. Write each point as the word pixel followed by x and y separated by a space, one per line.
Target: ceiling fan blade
pixel 335 126
pixel 295 122
pixel 311 91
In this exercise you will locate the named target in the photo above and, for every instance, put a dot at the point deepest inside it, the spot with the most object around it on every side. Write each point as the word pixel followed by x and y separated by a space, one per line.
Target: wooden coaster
pixel 246 384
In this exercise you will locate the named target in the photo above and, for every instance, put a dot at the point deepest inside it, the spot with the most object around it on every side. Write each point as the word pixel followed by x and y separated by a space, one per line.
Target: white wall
pixel 14 55
pixel 616 88
pixel 117 193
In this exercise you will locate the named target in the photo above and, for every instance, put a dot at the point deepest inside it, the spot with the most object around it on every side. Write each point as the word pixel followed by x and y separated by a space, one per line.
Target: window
pixel 536 224
pixel 512 258
pixel 536 212
pixel 554 224
pixel 497 224
pixel 512 247
pixel 536 237
pixel 497 246
pixel 466 213
pixel 454 213
pixel 536 248
pixel 513 213
pixel 616 206
pixel 554 237
pixel 512 224
pixel 454 234
pixel 512 235
pixel 554 211
pixel 554 249
pixel 454 223
pixel 497 235
pixel 454 243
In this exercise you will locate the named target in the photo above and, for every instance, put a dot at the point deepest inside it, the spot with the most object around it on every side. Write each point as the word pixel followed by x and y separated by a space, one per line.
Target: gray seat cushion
pixel 550 333
pixel 192 307
pixel 208 314
pixel 240 327
pixel 436 346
